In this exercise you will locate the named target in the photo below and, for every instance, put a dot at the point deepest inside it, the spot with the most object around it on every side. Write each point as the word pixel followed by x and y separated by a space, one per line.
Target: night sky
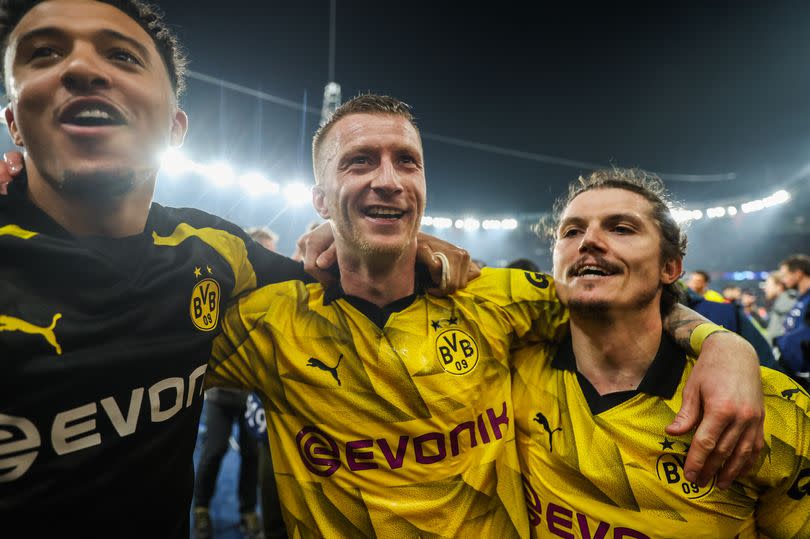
pixel 682 88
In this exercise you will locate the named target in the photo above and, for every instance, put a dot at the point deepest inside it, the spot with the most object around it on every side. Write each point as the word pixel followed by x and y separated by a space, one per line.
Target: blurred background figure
pixel 524 264
pixel 223 408
pixel 265 237
pixel 748 301
pixel 732 293
pixel 794 344
pixel 780 300
pixel 698 282
pixel 730 315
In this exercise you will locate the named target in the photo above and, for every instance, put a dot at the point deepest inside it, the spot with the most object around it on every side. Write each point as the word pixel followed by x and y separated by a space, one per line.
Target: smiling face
pixel 90 98
pixel 372 184
pixel 607 255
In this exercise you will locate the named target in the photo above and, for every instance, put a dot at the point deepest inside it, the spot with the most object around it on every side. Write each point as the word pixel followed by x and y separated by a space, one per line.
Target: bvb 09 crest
pixel 204 307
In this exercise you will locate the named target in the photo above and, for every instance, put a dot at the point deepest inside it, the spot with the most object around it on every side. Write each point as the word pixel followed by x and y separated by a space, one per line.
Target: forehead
pixel 374 131
pixel 81 18
pixel 599 203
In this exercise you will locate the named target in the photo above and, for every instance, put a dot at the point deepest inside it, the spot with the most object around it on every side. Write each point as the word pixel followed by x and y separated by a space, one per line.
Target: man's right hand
pixel 12 165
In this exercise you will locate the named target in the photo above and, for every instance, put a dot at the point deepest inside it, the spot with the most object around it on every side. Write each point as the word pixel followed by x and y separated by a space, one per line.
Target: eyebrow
pixel 610 219
pixel 53 31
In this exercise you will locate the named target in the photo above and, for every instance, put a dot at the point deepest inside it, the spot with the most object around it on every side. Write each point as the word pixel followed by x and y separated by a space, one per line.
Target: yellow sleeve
pixel 528 302
pixel 243 352
pixel 783 509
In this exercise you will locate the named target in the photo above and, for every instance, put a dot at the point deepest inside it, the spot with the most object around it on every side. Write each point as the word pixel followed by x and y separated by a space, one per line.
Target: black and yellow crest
pixel 670 471
pixel 457 351
pixel 204 306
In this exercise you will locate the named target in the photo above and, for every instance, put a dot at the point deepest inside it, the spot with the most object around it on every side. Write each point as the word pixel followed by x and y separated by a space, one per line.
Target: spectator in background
pixel 698 283
pixel 523 264
pixel 795 272
pixel 732 317
pixel 266 237
pixel 748 301
pixel 223 408
pixel 732 293
pixel 780 299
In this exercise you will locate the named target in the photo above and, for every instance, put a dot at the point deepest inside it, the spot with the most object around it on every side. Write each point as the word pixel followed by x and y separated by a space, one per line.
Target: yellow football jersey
pixel 603 467
pixel 401 429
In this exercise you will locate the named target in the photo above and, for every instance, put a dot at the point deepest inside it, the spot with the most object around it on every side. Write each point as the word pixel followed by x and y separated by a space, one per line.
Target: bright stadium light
pixel 173 162
pixel 256 184
pixel 427 220
pixel 732 210
pixel 491 224
pixel 779 197
pixel 509 224
pixel 754 205
pixel 297 193
pixel 459 224
pixel 714 213
pixel 442 222
pixel 471 224
pixel 220 173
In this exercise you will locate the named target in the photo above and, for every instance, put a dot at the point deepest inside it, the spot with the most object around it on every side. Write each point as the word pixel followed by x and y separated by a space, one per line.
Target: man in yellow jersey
pixel 389 411
pixel 591 412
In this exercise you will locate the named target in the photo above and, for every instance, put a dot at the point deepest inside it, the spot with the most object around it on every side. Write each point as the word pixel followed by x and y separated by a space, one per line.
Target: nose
pixel 387 182
pixel 84 70
pixel 592 241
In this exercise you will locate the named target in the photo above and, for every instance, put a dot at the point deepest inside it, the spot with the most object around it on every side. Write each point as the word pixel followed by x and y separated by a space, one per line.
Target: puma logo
pixel 540 418
pixel 788 393
pixel 318 364
pixel 9 323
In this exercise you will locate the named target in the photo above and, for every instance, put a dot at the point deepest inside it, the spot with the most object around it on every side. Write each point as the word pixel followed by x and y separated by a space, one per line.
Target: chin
pixel 98 183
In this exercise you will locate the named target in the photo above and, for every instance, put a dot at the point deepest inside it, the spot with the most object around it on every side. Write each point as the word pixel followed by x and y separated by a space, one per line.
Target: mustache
pixel 593 260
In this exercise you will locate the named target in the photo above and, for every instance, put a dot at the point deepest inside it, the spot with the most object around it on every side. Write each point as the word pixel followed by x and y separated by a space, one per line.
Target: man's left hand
pixel 726 381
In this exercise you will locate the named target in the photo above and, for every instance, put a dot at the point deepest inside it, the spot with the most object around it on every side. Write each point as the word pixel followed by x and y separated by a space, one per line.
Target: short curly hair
pixel 649 186
pixel 149 17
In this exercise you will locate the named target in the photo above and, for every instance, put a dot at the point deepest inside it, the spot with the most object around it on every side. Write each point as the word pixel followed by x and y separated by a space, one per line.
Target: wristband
pixel 700 333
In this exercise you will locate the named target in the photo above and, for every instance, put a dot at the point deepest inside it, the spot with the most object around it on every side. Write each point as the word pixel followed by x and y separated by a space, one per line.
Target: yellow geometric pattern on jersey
pixel 617 473
pixel 377 432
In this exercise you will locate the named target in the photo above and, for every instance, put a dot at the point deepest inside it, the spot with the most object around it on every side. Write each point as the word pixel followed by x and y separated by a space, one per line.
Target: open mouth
pixel 91 114
pixel 381 212
pixel 592 270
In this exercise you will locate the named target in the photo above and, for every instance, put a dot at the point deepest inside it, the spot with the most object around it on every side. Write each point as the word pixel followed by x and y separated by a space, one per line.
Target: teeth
pixel 94 113
pixel 384 212
pixel 591 269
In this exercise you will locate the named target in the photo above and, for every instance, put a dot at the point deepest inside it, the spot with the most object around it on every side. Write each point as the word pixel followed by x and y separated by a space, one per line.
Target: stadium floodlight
pixel 459 224
pixel 220 174
pixel 491 224
pixel 697 214
pixel 471 224
pixel 509 224
pixel 714 213
pixel 256 184
pixel 731 210
pixel 427 220
pixel 442 222
pixel 297 193
pixel 779 197
pixel 754 205
pixel 174 163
